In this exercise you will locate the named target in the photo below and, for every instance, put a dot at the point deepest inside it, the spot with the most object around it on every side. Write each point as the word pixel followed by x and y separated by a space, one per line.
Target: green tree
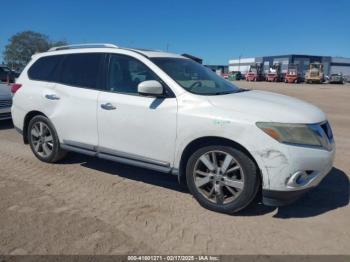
pixel 23 45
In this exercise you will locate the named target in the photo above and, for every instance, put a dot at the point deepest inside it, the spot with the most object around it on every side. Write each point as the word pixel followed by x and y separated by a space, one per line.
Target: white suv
pixel 165 112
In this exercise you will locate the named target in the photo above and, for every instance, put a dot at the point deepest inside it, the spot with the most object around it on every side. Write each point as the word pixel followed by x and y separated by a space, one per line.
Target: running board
pixel 78 150
pixel 135 163
pixel 121 159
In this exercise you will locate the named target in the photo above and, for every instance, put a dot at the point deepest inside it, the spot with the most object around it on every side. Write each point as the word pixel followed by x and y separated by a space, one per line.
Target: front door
pixel 133 126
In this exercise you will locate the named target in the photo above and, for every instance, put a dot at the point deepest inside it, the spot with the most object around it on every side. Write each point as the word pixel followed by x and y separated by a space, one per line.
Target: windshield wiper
pixel 231 92
pixel 223 93
pixel 242 90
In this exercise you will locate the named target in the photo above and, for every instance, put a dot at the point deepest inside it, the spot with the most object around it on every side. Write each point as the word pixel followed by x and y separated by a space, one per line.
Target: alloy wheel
pixel 218 177
pixel 42 139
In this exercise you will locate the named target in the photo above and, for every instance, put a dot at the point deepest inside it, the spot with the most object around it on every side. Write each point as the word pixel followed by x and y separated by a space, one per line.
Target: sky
pixel 213 30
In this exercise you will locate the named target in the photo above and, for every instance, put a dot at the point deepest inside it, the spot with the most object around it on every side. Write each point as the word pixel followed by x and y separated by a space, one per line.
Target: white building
pixel 340 65
pixel 332 65
pixel 242 64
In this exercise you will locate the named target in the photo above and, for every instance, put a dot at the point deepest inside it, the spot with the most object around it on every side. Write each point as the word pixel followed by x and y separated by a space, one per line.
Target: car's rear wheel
pixel 44 141
pixel 222 178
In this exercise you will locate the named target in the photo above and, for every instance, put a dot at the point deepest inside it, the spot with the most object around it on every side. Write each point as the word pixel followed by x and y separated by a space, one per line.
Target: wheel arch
pixel 206 141
pixel 27 119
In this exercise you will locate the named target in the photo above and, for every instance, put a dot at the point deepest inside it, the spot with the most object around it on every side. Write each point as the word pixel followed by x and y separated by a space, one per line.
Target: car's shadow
pixel 6 124
pixel 127 171
pixel 332 193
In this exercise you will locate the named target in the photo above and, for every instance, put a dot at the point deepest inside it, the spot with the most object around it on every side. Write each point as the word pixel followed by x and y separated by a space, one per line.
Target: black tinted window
pixel 82 70
pixel 125 73
pixel 44 69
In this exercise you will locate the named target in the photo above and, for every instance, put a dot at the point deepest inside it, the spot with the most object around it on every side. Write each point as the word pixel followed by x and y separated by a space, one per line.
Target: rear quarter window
pixel 45 68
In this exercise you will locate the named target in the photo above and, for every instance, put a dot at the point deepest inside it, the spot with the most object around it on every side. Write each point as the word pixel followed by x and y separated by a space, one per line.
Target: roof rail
pixel 98 45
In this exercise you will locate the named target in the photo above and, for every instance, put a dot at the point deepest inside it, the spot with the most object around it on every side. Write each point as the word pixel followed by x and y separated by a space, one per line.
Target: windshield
pixel 315 66
pixel 194 77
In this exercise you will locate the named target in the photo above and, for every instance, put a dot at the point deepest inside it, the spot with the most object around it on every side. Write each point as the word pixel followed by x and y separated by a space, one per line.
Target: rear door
pixel 75 98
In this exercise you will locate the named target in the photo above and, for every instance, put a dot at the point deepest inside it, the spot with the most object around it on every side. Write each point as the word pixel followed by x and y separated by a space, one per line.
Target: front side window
pixel 45 68
pixel 194 77
pixel 82 70
pixel 125 73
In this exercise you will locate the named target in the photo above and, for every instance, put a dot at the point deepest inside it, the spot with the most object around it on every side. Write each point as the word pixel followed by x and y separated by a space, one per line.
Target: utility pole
pixel 239 62
pixel 167 47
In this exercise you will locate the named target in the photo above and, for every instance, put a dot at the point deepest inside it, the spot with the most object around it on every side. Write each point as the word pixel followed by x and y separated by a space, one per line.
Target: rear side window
pixel 45 68
pixel 82 70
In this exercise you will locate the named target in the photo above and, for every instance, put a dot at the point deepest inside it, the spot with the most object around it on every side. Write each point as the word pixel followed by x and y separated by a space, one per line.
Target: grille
pixel 5 103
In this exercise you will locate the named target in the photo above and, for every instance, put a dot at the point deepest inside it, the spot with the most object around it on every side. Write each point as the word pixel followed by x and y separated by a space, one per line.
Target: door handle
pixel 108 106
pixel 52 97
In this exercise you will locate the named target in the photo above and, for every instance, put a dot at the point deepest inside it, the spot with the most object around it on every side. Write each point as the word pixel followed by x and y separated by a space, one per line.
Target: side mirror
pixel 150 88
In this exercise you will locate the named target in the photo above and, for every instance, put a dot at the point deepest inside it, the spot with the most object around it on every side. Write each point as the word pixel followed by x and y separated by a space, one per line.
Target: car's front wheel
pixel 43 140
pixel 222 178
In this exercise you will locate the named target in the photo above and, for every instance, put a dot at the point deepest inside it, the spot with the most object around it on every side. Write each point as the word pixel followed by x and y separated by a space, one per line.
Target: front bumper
pixel 291 79
pixel 292 171
pixel 281 198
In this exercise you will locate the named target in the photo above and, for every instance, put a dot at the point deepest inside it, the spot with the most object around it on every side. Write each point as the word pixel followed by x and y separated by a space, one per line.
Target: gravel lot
pixel 89 206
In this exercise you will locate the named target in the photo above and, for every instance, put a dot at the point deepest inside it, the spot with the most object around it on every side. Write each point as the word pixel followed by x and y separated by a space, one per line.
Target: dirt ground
pixel 89 206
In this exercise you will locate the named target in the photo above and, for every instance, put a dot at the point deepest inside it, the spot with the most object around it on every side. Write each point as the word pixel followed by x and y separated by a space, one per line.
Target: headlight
pixel 299 134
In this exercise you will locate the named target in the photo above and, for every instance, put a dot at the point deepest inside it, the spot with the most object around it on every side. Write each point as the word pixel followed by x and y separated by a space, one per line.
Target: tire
pixel 241 174
pixel 43 140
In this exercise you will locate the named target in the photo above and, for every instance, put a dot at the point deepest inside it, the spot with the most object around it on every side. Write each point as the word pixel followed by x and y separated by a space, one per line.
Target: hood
pixel 269 107
pixel 5 92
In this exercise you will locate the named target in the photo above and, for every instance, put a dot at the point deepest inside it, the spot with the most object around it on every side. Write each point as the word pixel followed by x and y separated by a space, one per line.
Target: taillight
pixel 15 87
